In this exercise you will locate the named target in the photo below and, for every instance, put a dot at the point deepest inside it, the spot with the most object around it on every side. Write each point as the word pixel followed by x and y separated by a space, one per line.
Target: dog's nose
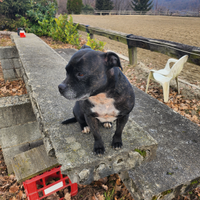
pixel 61 87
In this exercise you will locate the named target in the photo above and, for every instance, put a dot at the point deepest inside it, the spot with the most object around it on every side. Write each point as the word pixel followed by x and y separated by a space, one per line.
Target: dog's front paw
pixel 86 129
pixel 107 125
pixel 116 144
pixel 99 148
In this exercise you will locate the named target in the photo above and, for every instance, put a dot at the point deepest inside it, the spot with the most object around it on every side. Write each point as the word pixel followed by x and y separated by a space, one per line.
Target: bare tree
pixel 62 6
pixel 89 2
pixel 121 5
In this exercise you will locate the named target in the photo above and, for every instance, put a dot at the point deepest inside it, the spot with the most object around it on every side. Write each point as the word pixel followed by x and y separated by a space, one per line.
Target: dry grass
pixel 177 29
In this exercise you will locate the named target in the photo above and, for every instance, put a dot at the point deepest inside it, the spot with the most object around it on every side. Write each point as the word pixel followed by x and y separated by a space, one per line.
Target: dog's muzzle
pixel 61 88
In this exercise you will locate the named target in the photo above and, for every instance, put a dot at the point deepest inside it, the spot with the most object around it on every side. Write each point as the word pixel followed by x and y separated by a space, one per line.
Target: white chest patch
pixel 104 107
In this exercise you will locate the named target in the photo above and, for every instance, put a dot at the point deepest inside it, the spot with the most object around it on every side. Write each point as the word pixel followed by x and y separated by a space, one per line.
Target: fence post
pixel 91 35
pixel 132 50
pixel 132 54
pixel 87 30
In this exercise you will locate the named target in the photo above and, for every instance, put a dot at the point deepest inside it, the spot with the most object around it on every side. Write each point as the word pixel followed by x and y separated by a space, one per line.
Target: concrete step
pixel 15 110
pixel 30 163
pixel 17 139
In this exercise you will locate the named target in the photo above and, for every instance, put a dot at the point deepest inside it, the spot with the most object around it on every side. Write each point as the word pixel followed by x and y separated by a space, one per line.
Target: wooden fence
pixel 133 42
pixel 151 12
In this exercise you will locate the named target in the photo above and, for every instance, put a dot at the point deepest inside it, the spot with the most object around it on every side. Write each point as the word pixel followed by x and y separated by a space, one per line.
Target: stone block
pixel 15 110
pixel 8 52
pixel 9 74
pixel 7 64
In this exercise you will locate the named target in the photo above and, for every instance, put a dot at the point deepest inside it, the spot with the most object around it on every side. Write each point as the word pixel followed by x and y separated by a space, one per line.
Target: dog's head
pixel 87 73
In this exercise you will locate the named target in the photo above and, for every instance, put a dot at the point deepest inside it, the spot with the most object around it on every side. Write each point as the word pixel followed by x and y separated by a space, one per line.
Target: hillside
pixel 191 5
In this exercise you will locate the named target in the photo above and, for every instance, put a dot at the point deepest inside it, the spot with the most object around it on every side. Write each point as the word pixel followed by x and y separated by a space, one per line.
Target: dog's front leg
pixel 117 138
pixel 94 129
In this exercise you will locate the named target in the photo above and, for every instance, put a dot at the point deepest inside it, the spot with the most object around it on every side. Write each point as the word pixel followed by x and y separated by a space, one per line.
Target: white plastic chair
pixel 164 76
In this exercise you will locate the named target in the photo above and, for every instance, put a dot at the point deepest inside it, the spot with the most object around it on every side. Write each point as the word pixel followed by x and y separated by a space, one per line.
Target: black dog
pixel 101 91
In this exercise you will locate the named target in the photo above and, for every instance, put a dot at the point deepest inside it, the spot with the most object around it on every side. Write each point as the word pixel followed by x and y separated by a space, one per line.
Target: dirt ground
pixel 177 29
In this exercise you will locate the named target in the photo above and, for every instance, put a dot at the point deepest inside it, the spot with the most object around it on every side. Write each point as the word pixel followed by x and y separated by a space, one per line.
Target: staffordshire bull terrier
pixel 102 93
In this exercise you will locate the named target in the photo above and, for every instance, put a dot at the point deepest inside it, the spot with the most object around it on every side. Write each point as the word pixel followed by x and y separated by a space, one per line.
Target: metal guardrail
pixel 169 48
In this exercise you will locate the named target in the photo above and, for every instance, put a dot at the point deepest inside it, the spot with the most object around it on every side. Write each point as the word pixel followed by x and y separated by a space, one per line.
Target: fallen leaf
pixel 118 182
pixel 195 118
pixel 54 197
pixel 94 197
pixel 99 196
pixel 104 180
pixel 14 189
pixel 67 196
pixel 105 187
pixel 20 195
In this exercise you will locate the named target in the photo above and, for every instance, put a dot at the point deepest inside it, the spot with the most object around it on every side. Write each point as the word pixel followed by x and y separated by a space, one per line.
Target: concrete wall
pixel 10 63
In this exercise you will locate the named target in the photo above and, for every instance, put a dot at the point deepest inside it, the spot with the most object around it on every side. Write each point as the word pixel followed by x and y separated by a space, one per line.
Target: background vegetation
pixel 104 5
pixel 74 6
pixel 38 17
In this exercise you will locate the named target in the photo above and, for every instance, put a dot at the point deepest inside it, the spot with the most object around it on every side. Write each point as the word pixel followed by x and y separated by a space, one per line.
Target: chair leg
pixel 177 84
pixel 166 91
pixel 148 79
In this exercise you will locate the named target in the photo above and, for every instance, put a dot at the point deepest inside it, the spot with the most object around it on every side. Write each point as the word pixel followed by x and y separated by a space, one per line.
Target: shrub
pixel 41 21
pixel 65 30
pixel 7 23
pixel 10 8
pixel 87 9
pixel 40 18
pixel 94 44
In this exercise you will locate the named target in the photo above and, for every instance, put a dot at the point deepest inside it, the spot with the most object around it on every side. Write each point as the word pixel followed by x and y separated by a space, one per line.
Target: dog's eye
pixel 79 74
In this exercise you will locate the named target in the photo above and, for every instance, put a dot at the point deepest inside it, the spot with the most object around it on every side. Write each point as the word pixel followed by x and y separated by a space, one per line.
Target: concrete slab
pixel 32 162
pixel 73 150
pixel 44 69
pixel 15 110
pixel 17 139
pixel 66 53
pixel 177 161
pixel 10 153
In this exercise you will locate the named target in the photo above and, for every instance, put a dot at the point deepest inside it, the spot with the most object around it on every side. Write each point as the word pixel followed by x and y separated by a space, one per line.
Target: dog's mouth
pixel 72 96
pixel 82 98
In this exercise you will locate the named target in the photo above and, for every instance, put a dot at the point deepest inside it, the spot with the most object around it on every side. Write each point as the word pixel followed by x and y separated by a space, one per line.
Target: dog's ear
pixel 85 47
pixel 112 60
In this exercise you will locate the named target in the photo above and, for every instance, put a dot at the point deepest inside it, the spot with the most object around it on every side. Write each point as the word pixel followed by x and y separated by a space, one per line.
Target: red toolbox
pixel 42 186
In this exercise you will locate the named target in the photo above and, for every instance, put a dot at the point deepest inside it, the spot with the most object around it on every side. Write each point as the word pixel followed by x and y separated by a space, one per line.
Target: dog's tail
pixel 68 121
